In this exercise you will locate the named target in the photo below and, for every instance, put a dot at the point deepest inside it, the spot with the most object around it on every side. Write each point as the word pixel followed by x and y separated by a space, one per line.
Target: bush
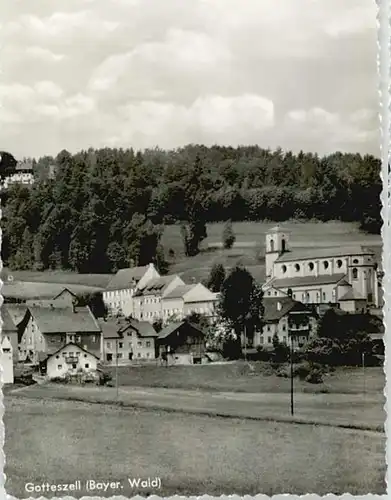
pixel 105 378
pixel 314 377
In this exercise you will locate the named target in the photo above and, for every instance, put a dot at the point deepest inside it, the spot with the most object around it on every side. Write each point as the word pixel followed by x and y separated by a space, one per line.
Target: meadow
pixel 248 250
pixel 62 441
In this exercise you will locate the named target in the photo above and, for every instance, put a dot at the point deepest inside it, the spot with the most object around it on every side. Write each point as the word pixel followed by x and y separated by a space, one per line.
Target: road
pixel 342 410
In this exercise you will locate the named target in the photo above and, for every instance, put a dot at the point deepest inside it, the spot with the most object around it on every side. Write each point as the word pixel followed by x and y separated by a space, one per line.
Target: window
pixel 269 340
pixel 311 266
pixel 326 264
pixel 339 263
pixel 147 354
pixel 261 340
pixel 297 267
pixel 148 343
pixel 355 261
pixel 283 269
pixel 283 328
pixel 355 273
pixel 86 365
pixel 59 367
pixel 284 339
pixel 109 357
pixel 139 355
pixel 275 293
pixel 268 328
pixel 119 355
pixel 93 338
pixel 272 245
pixel 74 365
pixel 324 295
pixel 120 345
pixel 85 355
pixel 108 345
pixel 139 344
pixel 269 293
pixel 78 338
pixel 130 345
pixel 57 357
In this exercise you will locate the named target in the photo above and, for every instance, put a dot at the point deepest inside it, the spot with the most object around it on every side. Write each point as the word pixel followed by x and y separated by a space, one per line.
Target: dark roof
pixel 24 166
pixel 64 320
pixel 157 286
pixel 16 311
pixel 179 291
pixel 351 295
pixel 174 326
pixel 110 327
pixel 126 278
pixel 324 252
pixel 67 345
pixel 8 323
pixel 307 280
pixel 272 313
pixel 25 290
pixel 143 328
pixel 344 283
pixel 66 290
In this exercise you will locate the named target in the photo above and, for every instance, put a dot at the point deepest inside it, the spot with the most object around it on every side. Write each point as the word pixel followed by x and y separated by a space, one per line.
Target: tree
pixel 241 304
pixel 281 351
pixel 216 278
pixel 228 235
pixel 7 164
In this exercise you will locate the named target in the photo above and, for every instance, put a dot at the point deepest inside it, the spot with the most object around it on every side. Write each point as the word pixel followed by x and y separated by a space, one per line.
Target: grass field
pixel 238 377
pixel 248 250
pixel 62 441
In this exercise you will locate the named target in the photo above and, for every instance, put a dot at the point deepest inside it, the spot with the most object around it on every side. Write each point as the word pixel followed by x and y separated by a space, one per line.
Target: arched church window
pixel 272 245
pixel 311 266
pixel 339 263
pixel 355 261
pixel 355 273
pixel 283 268
pixel 326 264
pixel 297 267
pixel 283 245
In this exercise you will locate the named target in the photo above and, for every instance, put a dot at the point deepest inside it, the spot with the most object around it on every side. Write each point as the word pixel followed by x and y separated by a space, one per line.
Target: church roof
pixel 351 295
pixel 324 279
pixel 344 283
pixel 319 253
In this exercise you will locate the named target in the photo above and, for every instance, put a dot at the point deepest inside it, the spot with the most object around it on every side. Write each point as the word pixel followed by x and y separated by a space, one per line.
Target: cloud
pixel 43 54
pixel 297 74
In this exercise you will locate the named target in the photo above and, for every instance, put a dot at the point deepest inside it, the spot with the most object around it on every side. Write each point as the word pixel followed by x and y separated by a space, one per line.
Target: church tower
pixel 276 244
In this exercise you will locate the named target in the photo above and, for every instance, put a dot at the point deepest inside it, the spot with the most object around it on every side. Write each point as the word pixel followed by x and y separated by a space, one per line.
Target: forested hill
pixel 105 207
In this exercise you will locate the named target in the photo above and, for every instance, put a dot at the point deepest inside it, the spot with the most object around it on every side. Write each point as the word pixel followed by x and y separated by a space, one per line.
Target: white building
pixel 23 174
pixel 118 295
pixel 187 299
pixel 70 359
pixel 148 301
pixel 6 361
pixel 320 275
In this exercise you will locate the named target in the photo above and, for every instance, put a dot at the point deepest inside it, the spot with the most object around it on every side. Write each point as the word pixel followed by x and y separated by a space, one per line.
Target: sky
pixel 297 74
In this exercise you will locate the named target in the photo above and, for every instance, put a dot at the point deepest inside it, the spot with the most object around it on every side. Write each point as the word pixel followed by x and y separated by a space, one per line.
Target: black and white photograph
pixel 191 248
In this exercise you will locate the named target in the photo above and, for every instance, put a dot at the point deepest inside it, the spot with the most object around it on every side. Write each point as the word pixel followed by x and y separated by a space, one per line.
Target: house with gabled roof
pixel 127 340
pixel 149 299
pixel 69 359
pixel 9 330
pixel 284 316
pixel 7 360
pixel 182 343
pixel 188 299
pixel 47 329
pixel 118 295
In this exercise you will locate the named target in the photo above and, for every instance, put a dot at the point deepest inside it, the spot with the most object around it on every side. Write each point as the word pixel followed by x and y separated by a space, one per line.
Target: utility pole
pixel 245 343
pixel 292 407
pixel 363 371
pixel 116 368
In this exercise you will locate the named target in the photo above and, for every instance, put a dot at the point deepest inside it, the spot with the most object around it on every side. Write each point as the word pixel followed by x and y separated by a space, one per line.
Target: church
pixel 344 276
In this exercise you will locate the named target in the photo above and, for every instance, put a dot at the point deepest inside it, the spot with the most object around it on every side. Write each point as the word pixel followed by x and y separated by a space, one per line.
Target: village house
pixel 182 343
pixel 286 317
pixel 127 340
pixel 48 326
pixel 9 330
pixel 24 174
pixel 118 295
pixel 70 359
pixel 149 299
pixel 6 360
pixel 315 275
pixel 187 299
